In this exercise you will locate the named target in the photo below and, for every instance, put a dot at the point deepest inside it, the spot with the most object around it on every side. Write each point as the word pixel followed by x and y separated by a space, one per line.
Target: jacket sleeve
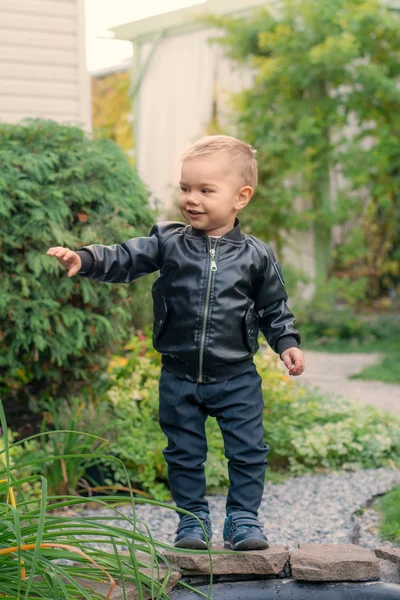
pixel 122 263
pixel 274 317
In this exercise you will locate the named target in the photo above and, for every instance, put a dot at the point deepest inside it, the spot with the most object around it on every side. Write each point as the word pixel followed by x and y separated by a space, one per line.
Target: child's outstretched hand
pixel 294 360
pixel 68 258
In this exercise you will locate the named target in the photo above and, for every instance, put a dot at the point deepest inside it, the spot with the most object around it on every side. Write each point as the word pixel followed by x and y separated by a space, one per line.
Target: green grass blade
pixel 39 536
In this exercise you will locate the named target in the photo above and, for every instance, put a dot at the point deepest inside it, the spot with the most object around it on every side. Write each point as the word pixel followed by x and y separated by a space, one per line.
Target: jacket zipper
pixel 213 269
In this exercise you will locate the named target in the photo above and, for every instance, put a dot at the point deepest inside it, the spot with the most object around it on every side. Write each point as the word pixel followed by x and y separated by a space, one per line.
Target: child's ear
pixel 243 197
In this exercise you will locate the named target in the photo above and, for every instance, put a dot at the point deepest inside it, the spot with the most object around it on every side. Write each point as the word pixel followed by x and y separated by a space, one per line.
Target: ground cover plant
pixel 389 507
pixel 306 431
pixel 354 329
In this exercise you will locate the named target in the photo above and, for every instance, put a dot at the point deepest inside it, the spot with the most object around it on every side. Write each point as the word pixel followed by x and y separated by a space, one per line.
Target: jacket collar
pixel 234 234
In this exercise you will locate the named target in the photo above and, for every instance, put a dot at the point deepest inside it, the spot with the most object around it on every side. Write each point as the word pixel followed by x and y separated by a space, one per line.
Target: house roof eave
pixel 184 18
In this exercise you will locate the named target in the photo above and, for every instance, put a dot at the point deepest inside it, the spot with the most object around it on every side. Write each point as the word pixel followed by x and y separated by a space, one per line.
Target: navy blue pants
pixel 237 404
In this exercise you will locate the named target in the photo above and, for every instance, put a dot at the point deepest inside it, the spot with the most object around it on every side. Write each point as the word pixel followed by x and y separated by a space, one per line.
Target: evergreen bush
pixel 60 188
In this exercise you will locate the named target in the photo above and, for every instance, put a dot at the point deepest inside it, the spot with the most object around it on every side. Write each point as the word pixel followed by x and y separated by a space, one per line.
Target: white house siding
pixel 175 104
pixel 42 61
pixel 174 107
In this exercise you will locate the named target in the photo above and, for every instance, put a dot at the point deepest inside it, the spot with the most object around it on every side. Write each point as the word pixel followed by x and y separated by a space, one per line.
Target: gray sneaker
pixel 242 531
pixel 189 533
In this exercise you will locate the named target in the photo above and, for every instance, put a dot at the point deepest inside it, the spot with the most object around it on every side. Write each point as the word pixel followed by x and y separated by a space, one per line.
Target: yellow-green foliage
pixel 305 430
pixel 112 109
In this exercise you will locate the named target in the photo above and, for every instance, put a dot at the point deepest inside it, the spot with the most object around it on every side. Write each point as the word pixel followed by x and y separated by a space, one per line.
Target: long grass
pixel 45 554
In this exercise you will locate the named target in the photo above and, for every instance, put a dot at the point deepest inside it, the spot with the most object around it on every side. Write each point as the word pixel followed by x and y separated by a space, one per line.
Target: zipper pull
pixel 213 262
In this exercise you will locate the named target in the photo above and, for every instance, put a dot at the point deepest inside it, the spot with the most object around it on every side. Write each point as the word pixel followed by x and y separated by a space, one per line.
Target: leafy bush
pixel 134 399
pixel 305 430
pixel 76 443
pixel 57 187
pixel 347 329
pixel 312 433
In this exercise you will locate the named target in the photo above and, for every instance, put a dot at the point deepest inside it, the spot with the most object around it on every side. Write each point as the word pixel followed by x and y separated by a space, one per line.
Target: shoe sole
pixel 251 544
pixel 191 544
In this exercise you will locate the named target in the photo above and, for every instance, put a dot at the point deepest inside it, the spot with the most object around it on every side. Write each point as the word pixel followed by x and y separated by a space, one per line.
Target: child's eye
pixel 206 191
pixel 184 189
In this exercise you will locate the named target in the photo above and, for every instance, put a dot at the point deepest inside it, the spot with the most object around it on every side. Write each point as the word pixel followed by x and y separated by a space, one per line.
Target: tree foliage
pixel 59 188
pixel 112 108
pixel 325 109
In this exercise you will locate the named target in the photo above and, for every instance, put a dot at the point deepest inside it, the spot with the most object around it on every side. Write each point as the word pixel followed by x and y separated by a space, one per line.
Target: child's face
pixel 212 194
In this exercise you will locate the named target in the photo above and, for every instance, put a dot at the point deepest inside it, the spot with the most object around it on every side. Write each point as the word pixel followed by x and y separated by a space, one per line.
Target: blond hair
pixel 239 154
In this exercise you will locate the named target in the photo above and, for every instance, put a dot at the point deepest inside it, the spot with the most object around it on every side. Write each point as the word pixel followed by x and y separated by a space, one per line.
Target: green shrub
pixel 70 453
pixel 348 329
pixel 57 187
pixel 305 430
pixel 140 441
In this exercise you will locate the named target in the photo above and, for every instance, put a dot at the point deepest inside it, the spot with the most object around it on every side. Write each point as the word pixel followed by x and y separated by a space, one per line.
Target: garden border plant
pixel 389 508
pixel 306 431
pixel 35 543
pixel 325 329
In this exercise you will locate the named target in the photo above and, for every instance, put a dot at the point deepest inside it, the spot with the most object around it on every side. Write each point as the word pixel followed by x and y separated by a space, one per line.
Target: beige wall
pixel 43 62
pixel 174 107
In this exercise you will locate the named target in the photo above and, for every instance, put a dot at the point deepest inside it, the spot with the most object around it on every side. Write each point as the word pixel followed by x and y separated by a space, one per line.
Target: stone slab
pixel 389 571
pixel 334 562
pixel 388 553
pixel 263 562
pixel 131 589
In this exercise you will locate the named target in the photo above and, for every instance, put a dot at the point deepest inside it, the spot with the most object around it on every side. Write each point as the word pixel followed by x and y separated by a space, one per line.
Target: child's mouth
pixel 195 213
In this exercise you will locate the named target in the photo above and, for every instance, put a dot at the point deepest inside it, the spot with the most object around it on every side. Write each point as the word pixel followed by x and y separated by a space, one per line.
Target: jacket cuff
pixel 87 262
pixel 285 342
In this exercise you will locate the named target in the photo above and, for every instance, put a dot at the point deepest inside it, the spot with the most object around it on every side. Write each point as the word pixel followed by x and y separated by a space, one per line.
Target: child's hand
pixel 294 360
pixel 68 258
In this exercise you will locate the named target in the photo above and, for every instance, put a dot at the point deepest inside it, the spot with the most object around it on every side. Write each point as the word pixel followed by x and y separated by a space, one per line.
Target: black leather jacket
pixel 210 300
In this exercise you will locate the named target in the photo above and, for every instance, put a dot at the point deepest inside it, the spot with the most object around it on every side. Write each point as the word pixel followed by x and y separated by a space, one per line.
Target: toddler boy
pixel 216 289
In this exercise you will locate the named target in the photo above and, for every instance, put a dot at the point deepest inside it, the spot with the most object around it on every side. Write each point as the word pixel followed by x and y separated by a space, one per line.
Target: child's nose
pixel 192 198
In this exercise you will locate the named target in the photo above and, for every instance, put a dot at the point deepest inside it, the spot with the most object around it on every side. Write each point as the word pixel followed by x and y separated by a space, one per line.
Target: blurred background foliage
pixel 324 115
pixel 112 109
pixel 306 432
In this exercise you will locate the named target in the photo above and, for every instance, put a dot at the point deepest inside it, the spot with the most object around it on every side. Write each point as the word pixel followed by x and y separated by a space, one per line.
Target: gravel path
pixel 329 372
pixel 314 508
pixel 367 530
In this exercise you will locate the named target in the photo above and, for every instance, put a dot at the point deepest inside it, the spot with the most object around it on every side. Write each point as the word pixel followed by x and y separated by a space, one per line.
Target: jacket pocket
pixel 251 330
pixel 160 318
